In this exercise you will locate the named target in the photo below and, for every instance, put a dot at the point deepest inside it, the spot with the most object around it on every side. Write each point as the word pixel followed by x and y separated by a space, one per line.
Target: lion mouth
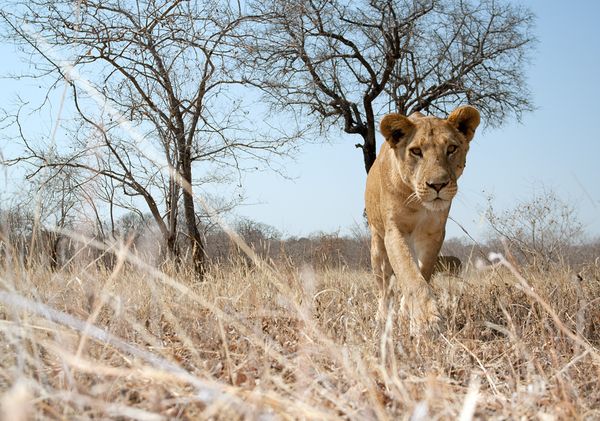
pixel 437 204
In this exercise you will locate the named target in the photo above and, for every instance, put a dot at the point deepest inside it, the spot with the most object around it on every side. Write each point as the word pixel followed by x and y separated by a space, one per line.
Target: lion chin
pixel 437 205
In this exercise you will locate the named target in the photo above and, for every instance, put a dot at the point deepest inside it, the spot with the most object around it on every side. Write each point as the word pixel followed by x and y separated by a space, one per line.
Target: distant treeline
pixel 25 243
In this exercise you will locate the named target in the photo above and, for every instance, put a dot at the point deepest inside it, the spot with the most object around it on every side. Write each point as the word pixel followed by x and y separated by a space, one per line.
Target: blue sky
pixel 555 147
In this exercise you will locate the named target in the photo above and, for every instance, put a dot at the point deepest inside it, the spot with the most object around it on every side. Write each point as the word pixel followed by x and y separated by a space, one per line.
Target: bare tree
pixel 55 199
pixel 539 231
pixel 16 226
pixel 340 61
pixel 163 69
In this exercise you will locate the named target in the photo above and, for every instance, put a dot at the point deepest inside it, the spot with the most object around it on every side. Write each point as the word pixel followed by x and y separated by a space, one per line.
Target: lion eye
pixel 416 152
pixel 451 149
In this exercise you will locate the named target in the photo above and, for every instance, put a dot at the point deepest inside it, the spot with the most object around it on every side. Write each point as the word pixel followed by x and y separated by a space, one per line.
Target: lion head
pixel 431 152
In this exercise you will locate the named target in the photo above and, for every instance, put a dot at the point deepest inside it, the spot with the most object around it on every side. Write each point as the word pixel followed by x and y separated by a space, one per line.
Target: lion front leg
pixel 382 271
pixel 417 300
pixel 427 250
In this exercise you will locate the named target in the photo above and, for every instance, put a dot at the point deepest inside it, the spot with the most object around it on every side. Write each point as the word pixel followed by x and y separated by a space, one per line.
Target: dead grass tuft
pixel 284 343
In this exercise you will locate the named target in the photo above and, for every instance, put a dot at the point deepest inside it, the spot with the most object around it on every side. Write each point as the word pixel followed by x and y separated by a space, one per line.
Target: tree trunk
pixel 169 233
pixel 196 243
pixel 54 243
pixel 172 210
pixel 369 147
pixel 172 249
pixel 198 252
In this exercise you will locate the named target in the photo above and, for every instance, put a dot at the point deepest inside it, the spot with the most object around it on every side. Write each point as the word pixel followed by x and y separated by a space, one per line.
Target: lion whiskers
pixel 412 198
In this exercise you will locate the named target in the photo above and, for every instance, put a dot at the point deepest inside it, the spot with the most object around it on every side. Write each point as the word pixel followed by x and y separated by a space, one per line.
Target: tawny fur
pixel 408 195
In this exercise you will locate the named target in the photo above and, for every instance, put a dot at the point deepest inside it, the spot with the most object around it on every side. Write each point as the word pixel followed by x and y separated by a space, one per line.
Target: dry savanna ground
pixel 268 342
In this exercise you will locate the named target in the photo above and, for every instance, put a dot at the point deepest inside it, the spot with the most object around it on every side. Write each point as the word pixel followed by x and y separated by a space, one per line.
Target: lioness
pixel 409 190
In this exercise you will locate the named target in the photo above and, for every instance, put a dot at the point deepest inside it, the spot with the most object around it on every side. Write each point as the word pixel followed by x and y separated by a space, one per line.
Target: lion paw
pixel 422 312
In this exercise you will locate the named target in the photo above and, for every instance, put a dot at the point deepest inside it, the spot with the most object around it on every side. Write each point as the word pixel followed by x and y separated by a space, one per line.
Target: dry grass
pixel 263 343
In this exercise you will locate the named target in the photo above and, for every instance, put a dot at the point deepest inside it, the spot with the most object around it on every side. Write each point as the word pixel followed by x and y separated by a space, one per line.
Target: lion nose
pixel 437 186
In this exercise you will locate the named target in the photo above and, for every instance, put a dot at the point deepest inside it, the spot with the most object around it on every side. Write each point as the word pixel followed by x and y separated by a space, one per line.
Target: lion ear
pixel 465 119
pixel 396 127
